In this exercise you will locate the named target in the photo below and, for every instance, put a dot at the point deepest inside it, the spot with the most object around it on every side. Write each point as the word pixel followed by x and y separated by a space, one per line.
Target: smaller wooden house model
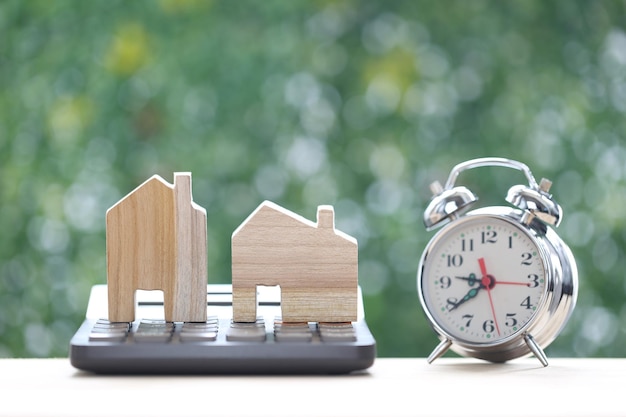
pixel 315 265
pixel 156 239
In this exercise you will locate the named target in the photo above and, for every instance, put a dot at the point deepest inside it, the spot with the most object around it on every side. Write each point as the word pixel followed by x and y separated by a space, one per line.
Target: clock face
pixel 482 280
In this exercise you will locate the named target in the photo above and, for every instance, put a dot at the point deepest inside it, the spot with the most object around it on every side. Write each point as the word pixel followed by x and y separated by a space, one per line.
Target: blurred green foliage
pixel 359 104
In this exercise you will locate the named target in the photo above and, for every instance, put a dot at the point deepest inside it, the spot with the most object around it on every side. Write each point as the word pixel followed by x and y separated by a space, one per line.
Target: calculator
pixel 151 345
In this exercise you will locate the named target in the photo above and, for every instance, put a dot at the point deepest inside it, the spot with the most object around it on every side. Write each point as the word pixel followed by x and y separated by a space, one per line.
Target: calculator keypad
pixel 160 331
pixel 218 345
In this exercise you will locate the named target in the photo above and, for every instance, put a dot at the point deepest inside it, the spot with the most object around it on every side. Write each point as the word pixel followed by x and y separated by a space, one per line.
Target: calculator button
pixel 260 322
pixel 106 331
pixel 154 331
pixel 212 322
pixel 199 331
pixel 155 322
pixel 117 326
pixel 198 336
pixel 293 337
pixel 292 332
pixel 152 338
pixel 111 336
pixel 337 332
pixel 246 332
pixel 105 324
pixel 243 334
pixel 189 329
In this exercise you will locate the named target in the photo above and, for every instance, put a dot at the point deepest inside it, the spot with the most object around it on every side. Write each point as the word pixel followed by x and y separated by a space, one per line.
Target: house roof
pixel 158 181
pixel 273 213
pixel 153 181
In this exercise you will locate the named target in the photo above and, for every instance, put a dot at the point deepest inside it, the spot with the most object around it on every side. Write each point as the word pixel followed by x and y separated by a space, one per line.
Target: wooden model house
pixel 315 265
pixel 156 240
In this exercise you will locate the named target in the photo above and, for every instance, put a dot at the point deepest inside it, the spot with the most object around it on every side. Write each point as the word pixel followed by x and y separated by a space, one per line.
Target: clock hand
pixel 488 281
pixel 483 268
pixel 525 284
pixel 471 280
pixel 470 294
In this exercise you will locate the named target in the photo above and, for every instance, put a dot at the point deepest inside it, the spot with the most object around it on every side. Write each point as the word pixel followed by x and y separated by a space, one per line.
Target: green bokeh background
pixel 358 104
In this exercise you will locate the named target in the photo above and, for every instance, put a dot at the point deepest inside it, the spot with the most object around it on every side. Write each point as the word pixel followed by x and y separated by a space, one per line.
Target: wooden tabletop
pixel 391 387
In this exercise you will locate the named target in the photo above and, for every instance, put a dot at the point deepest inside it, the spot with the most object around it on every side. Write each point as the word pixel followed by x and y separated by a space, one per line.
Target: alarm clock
pixel 496 283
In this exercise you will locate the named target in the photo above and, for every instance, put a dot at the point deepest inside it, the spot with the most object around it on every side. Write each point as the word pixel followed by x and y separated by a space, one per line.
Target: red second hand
pixel 486 283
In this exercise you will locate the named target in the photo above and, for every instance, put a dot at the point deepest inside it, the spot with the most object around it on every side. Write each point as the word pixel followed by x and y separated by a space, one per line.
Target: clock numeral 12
pixel 490 236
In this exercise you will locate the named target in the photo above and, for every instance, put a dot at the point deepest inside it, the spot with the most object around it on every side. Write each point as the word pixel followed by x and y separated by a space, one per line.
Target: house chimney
pixel 182 186
pixel 325 217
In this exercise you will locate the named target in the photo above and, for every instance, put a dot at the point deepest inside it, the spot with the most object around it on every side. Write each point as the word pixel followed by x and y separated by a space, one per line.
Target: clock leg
pixel 536 349
pixel 439 350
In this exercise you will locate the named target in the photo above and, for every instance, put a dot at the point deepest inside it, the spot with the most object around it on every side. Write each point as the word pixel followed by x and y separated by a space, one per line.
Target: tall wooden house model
pixel 156 240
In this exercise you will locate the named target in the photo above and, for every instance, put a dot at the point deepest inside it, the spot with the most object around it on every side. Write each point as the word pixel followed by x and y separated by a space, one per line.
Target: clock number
pixel 445 282
pixel 510 320
pixel 452 302
pixel 526 258
pixel 489 236
pixel 488 326
pixel 469 318
pixel 467 245
pixel 455 260
pixel 526 303
pixel 535 280
pixel 510 242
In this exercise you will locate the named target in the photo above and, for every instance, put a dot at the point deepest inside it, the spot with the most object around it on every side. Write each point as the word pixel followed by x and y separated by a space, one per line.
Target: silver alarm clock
pixel 496 283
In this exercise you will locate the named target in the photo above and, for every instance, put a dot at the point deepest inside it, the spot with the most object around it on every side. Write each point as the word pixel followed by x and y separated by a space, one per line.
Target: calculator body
pixel 149 345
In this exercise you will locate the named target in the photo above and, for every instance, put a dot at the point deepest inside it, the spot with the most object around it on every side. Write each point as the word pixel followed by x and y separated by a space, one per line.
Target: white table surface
pixel 391 387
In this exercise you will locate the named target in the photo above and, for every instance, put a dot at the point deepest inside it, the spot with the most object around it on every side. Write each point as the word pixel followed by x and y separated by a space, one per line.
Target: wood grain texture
pixel 191 255
pixel 315 265
pixel 156 240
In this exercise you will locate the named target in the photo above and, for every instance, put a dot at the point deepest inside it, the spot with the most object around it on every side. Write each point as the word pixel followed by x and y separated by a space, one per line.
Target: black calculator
pixel 218 346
